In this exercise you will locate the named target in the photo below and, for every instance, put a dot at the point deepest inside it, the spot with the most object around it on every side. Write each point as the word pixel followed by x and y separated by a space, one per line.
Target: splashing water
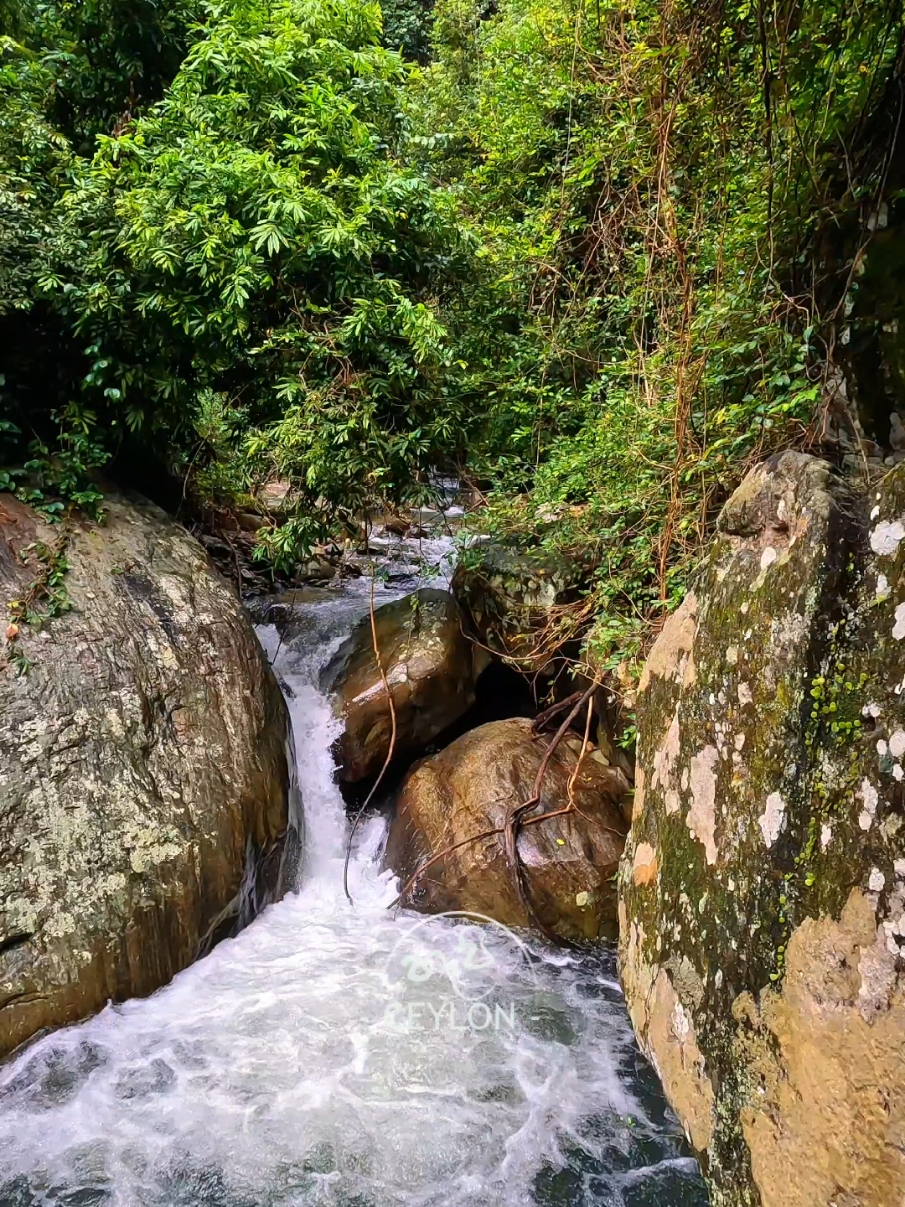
pixel 347 1056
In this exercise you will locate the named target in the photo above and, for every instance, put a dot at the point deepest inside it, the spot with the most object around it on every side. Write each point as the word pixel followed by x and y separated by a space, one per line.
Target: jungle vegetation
pixel 595 255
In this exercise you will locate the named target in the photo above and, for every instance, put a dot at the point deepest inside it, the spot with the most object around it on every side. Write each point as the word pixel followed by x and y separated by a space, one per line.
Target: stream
pixel 348 1054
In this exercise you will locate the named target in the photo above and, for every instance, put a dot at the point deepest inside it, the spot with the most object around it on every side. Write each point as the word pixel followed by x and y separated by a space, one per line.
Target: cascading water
pixel 347 1055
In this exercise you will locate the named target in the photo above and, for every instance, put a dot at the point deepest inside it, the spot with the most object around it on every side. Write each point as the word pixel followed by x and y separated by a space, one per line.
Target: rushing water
pixel 347 1055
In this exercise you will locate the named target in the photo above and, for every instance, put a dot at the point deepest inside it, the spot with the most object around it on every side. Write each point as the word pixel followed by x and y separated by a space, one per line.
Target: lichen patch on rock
pixel 143 770
pixel 763 963
pixel 771 820
pixel 701 816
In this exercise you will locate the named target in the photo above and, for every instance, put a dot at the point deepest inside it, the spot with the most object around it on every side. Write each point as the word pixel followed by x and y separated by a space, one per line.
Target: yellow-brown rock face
pixel 762 892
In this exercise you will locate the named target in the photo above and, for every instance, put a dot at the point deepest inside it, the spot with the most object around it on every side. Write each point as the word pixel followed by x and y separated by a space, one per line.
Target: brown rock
pixel 828 1051
pixel 249 521
pixel 429 666
pixel 468 788
pixel 143 773
pixel 273 497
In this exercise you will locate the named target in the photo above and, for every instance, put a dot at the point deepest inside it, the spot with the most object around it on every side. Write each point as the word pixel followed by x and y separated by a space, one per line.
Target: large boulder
pixel 509 595
pixel 762 892
pixel 467 789
pixel 429 665
pixel 143 773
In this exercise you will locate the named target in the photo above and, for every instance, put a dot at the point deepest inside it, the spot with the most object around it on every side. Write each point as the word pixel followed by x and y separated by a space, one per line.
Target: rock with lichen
pixel 144 790
pixel 762 891
pixel 511 596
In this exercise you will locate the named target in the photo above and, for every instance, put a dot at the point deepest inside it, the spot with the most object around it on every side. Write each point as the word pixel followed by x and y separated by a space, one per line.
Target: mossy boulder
pixel 467 790
pixel 429 666
pixel 144 790
pixel 510 594
pixel 762 891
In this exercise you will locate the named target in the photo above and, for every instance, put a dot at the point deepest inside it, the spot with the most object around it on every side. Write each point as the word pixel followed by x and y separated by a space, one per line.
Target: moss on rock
pixel 770 801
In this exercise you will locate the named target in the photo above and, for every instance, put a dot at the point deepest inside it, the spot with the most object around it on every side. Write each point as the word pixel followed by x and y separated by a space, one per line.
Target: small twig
pixel 558 737
pixel 404 891
pixel 388 759
pixel 235 552
pixel 584 746
pixel 268 613
pixel 532 821
pixel 553 711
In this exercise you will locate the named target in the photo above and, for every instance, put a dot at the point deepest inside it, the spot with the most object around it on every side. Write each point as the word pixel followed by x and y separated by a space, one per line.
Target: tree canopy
pixel 599 256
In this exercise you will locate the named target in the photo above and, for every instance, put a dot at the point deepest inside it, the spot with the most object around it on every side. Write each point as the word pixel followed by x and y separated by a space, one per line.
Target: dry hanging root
pixel 516 819
pixel 559 622
pixel 543 719
pixel 515 816
pixel 389 757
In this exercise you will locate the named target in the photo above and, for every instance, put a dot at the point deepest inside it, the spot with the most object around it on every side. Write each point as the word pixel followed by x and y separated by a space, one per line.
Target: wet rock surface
pixel 428 665
pixel 143 776
pixel 467 789
pixel 762 891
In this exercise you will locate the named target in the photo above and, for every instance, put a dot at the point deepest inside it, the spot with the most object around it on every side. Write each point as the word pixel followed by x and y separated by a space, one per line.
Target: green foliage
pixel 407 27
pixel 105 59
pixel 254 237
pixel 649 184
pixel 67 72
pixel 33 162
pixel 45 597
pixel 83 59
pixel 62 471
pixel 595 253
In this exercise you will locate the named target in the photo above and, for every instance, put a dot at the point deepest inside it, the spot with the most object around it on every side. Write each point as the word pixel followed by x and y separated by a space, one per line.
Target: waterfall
pixel 347 1054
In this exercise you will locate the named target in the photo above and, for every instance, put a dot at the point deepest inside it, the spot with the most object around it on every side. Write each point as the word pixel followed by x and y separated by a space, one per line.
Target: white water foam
pixel 276 1071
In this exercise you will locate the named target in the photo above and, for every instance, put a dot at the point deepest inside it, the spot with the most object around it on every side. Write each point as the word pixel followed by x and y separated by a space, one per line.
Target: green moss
pixel 43 599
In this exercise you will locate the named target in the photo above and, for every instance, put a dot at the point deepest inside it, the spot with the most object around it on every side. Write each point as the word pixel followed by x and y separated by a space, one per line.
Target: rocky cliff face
pixel 762 892
pixel 143 775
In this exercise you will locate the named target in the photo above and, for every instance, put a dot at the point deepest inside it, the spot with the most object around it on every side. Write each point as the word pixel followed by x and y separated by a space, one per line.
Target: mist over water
pixel 342 1054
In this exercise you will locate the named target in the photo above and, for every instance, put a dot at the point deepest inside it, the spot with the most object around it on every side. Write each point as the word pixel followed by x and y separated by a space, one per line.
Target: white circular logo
pixel 459 970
